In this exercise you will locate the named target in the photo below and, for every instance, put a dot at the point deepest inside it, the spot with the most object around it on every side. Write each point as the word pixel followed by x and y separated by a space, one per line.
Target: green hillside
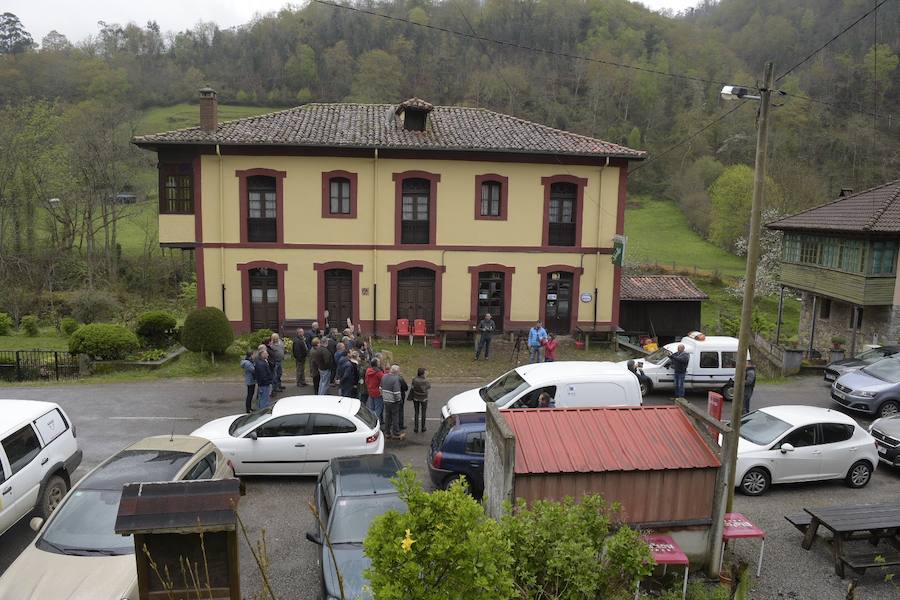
pixel 179 116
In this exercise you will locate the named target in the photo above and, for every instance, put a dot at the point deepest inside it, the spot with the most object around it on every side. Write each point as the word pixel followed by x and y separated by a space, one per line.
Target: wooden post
pixel 780 316
pixel 812 329
pixel 853 330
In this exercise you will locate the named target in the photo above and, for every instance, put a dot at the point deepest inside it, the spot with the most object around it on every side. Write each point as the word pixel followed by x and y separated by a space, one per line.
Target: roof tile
pixel 876 210
pixel 660 287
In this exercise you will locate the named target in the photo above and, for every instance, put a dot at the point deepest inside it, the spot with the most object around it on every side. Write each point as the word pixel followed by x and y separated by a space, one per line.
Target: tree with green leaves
pixel 13 37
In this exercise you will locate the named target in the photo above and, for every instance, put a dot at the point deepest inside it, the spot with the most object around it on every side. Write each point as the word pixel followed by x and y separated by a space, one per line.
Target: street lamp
pixel 759 178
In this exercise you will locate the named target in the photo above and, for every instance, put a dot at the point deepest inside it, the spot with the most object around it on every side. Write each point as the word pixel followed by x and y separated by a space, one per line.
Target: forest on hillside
pixel 605 68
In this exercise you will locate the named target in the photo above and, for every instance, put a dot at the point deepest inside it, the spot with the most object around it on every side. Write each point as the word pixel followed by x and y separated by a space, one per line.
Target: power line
pixel 659 155
pixel 480 38
pixel 836 36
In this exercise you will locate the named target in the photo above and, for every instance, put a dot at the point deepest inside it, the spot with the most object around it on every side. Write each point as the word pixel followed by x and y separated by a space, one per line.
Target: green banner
pixel 618 254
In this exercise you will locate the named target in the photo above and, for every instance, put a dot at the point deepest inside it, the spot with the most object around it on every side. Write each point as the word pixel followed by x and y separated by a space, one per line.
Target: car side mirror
pixel 314 538
pixel 252 435
pixel 785 448
pixel 36 523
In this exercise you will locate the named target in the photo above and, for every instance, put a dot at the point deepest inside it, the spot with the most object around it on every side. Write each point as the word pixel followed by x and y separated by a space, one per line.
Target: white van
pixel 711 366
pixel 38 455
pixel 569 383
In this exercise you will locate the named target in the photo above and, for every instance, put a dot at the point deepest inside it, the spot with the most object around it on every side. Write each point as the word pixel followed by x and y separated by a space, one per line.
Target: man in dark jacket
pixel 263 373
pixel 486 328
pixel 680 362
pixel 322 361
pixel 749 384
pixel 300 350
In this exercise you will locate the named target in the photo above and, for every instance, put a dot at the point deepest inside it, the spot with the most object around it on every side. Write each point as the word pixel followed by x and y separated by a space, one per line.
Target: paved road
pixel 111 416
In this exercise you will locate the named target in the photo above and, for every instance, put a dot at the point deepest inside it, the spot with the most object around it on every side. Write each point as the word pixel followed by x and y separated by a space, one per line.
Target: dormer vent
pixel 414 114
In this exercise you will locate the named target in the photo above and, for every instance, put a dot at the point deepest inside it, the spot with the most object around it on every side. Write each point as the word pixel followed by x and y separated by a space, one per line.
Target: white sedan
pixel 786 444
pixel 295 436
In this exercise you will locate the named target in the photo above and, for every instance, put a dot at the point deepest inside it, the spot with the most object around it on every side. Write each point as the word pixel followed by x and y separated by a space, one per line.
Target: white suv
pixel 38 455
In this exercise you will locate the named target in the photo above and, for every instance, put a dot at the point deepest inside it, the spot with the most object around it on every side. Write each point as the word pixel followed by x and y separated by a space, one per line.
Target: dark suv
pixel 350 492
pixel 457 451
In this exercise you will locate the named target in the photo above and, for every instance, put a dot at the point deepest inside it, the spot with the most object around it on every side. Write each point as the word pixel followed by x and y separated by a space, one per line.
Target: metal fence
pixel 31 365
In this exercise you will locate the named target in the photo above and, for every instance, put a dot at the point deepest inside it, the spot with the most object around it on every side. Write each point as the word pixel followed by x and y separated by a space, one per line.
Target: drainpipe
pixel 597 261
pixel 221 226
pixel 375 243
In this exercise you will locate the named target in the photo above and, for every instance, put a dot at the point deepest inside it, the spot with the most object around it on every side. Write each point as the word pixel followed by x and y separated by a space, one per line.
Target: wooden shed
pixel 660 306
pixel 183 523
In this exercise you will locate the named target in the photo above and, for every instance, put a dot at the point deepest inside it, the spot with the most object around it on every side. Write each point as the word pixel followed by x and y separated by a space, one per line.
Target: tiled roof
pixel 660 287
pixel 592 440
pixel 178 506
pixel 450 128
pixel 876 210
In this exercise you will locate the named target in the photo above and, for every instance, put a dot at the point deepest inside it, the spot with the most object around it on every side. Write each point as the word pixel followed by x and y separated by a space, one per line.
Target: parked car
pixel 855 363
pixel 886 432
pixel 77 555
pixel 569 383
pixel 711 366
pixel 874 389
pixel 296 435
pixel 350 493
pixel 38 455
pixel 785 444
pixel 457 452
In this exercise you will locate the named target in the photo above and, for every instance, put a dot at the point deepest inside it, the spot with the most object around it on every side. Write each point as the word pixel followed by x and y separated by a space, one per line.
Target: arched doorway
pixel 415 295
pixel 491 288
pixel 339 296
pixel 558 302
pixel 263 299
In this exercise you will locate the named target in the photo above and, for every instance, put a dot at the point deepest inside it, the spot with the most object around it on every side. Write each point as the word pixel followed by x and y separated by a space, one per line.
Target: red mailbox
pixel 714 403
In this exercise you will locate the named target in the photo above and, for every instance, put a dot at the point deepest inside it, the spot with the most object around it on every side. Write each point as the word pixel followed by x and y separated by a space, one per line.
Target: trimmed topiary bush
pixel 103 341
pixel 68 326
pixel 29 325
pixel 156 329
pixel 207 330
pixel 6 323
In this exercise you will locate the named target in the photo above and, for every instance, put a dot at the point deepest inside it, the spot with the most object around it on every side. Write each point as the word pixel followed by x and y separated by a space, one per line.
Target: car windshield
pixel 658 357
pixel 367 416
pixel 85 525
pixel 352 516
pixel 245 423
pixel 508 385
pixel 761 428
pixel 887 369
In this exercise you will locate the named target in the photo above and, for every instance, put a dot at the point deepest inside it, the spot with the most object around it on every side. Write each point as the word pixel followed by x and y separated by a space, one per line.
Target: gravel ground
pixel 111 416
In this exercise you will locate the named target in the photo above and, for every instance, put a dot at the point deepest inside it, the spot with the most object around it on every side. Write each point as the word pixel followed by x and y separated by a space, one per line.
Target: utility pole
pixel 759 186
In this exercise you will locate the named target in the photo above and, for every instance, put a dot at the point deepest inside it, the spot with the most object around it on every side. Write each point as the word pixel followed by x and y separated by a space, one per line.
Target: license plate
pixel 840 394
pixel 881 449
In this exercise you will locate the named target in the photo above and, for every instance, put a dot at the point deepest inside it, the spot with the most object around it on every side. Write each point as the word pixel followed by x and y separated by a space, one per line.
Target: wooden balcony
pixel 855 288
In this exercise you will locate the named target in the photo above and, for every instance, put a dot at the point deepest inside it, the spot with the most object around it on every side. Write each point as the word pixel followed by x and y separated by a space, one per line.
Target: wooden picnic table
pixel 869 521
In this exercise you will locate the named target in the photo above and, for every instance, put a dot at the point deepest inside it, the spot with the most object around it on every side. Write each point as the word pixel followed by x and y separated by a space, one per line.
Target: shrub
pixel 68 326
pixel 103 341
pixel 207 330
pixel 29 325
pixel 90 306
pixel 156 329
pixel 6 323
pixel 149 355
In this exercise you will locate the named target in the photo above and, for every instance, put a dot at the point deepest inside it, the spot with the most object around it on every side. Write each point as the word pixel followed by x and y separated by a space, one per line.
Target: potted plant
pixel 838 341
pixel 792 342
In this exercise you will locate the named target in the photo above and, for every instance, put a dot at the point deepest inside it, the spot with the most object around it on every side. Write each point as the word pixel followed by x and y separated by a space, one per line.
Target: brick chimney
pixel 845 191
pixel 209 109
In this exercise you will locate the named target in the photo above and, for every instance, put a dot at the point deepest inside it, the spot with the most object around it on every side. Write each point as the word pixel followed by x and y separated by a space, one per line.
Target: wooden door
pixel 264 299
pixel 415 296
pixel 339 296
pixel 490 296
pixel 558 303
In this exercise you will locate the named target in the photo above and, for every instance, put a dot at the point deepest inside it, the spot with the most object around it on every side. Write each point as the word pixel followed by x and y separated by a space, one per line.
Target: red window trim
pixel 434 179
pixel 244 268
pixel 548 182
pixel 320 269
pixel 439 271
pixel 327 176
pixel 507 290
pixel 504 195
pixel 279 202
pixel 574 301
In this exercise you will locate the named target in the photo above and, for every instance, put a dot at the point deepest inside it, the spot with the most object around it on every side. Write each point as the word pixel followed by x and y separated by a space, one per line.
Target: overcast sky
pixel 79 19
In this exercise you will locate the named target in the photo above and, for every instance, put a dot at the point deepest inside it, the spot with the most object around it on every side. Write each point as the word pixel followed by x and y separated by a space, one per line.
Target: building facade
pixel 842 259
pixel 374 213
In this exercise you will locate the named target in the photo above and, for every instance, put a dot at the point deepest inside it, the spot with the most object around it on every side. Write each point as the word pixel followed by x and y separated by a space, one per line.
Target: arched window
pixel 339 196
pixel 262 217
pixel 415 211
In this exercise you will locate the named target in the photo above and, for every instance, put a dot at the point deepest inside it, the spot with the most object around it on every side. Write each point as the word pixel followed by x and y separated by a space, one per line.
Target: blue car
pixel 457 452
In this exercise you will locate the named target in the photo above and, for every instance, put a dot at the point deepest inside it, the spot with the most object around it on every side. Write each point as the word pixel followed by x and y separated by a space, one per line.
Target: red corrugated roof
pixel 590 440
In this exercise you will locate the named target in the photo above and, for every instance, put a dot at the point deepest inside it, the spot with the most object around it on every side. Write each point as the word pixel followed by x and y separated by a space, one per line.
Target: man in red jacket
pixel 549 343
pixel 372 379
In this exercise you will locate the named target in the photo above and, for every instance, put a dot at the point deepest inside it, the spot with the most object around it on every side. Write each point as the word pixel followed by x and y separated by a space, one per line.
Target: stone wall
pixel 499 462
pixel 880 324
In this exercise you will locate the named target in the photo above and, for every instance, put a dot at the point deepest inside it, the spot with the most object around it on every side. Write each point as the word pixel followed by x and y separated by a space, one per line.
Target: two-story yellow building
pixel 378 212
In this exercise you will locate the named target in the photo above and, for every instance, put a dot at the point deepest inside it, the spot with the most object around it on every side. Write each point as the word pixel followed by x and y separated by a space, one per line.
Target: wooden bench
pixel 454 328
pixel 799 520
pixel 608 333
pixel 860 559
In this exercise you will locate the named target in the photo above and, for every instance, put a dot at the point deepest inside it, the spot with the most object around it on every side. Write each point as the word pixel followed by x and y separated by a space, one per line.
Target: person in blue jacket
pixel 264 378
pixel 536 335
pixel 249 368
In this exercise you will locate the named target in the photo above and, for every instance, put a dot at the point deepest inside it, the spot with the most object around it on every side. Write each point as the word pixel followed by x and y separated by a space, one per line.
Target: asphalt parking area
pixel 111 416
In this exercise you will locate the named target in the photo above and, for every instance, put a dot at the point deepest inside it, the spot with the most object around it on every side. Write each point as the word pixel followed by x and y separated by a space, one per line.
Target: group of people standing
pixel 541 345
pixel 262 372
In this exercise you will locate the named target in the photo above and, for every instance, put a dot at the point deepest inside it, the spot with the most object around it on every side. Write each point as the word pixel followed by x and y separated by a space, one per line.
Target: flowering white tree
pixel 768 271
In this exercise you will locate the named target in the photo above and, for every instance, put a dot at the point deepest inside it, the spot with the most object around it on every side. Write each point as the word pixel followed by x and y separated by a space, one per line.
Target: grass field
pixel 179 116
pixel 47 340
pixel 658 233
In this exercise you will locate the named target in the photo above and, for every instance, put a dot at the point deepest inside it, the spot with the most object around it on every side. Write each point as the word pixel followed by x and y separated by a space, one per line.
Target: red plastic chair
pixel 402 329
pixel 419 330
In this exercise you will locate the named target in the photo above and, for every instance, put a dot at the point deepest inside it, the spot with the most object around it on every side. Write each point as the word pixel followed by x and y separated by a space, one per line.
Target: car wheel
pixel 456 477
pixel 859 474
pixel 888 408
pixel 54 491
pixel 755 482
pixel 646 388
pixel 728 392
